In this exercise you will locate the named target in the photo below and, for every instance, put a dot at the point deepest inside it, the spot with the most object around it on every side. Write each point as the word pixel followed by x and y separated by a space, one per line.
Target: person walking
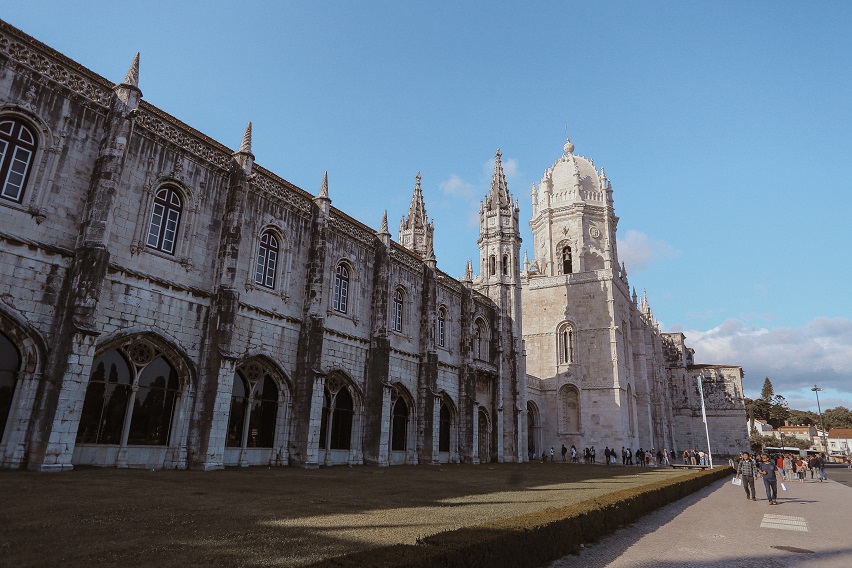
pixel 779 462
pixel 551 454
pixel 592 454
pixel 606 454
pixel 767 470
pixel 564 451
pixel 573 453
pixel 747 471
pixel 821 467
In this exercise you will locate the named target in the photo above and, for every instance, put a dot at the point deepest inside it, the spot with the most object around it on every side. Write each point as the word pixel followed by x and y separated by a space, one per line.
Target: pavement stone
pixel 717 527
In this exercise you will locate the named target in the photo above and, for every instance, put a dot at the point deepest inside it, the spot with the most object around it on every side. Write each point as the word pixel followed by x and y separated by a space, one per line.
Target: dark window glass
pixel 444 429
pixel 264 412
pixel 341 421
pixel 165 220
pixel 105 405
pixel 10 363
pixel 341 289
pixel 267 260
pixel 492 265
pixel 236 419
pixel 399 425
pixel 505 266
pixel 17 149
pixel 442 322
pixel 154 406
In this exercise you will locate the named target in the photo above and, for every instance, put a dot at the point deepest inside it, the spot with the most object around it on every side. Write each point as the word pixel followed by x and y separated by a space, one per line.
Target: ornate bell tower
pixel 500 279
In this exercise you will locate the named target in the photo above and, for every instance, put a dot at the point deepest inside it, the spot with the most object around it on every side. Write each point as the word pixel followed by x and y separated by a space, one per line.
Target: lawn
pixel 272 517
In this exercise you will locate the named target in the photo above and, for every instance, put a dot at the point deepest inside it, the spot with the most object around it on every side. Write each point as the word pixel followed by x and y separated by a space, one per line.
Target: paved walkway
pixel 718 528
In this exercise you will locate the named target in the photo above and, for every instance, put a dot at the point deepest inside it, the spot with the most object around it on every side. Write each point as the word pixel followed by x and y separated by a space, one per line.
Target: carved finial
pixel 245 145
pixel 568 147
pixel 132 77
pixel 498 155
pixel 417 179
pixel 468 272
pixel 384 228
pixel 324 189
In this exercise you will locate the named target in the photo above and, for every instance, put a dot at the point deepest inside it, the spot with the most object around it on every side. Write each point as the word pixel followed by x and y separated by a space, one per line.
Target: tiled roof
pixel 840 433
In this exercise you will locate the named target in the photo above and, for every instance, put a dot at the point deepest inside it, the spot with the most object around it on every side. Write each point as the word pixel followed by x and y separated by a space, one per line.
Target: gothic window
pixel 566 260
pixel 399 425
pixel 340 301
pixel 492 265
pixel 505 265
pixel 442 325
pixel 267 260
pixel 396 313
pixel 17 149
pixel 10 364
pixel 484 437
pixel 254 410
pixel 337 414
pixel 480 341
pixel 444 425
pixel 569 402
pixel 149 387
pixel 565 344
pixel 165 220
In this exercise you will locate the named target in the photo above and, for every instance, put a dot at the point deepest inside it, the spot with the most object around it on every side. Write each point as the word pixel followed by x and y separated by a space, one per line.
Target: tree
pixel 840 417
pixel 767 392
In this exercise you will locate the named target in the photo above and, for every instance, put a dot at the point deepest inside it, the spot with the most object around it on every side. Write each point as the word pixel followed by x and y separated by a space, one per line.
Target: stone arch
pixel 341 425
pixel 258 421
pixel 185 234
pixel 152 382
pixel 402 426
pixel 484 431
pixel 481 339
pixel 22 383
pixel 447 429
pixel 569 409
pixel 533 430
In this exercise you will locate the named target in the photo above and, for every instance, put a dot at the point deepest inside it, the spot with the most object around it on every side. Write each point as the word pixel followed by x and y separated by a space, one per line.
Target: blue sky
pixel 723 126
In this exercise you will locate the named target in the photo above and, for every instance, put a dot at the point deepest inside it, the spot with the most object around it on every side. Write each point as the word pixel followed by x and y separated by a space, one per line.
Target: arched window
pixel 566 260
pixel 565 344
pixel 10 364
pixel 341 289
pixel 336 425
pixel 484 437
pixel 396 313
pixel 505 265
pixel 399 425
pixel 492 265
pixel 165 220
pixel 267 260
pixel 251 423
pixel 444 425
pixel 150 385
pixel 442 325
pixel 569 402
pixel 17 149
pixel 480 341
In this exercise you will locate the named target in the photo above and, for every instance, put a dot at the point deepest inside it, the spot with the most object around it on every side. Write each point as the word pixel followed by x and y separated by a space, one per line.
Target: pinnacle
pixel 245 145
pixel 324 188
pixel 384 228
pixel 132 77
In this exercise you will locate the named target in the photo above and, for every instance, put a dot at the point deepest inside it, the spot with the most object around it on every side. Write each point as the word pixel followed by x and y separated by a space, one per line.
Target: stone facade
pixel 167 302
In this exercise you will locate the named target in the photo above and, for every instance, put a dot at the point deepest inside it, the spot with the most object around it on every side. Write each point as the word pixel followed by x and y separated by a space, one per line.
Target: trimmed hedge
pixel 533 539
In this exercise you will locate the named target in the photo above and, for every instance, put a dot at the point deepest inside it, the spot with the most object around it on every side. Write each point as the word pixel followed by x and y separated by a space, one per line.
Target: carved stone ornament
pixel 253 371
pixel 141 352
pixel 594 232
pixel 334 384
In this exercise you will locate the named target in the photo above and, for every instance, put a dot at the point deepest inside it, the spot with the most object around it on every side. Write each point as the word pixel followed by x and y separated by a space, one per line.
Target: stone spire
pixel 132 76
pixel 383 234
pixel 245 145
pixel 467 279
pixel 498 195
pixel 323 194
pixel 416 233
pixel 526 262
pixel 645 307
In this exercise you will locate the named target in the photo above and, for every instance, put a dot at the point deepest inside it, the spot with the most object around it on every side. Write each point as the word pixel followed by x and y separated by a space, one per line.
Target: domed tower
pixel 577 313
pixel 500 279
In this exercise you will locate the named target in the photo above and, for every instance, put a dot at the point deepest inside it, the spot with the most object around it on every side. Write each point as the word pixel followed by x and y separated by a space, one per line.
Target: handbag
pixel 783 487
pixel 738 481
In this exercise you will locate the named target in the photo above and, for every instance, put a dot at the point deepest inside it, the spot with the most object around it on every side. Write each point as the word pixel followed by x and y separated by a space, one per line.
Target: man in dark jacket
pixel 747 471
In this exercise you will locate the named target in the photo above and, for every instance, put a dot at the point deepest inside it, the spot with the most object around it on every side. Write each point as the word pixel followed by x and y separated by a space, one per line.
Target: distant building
pixel 840 441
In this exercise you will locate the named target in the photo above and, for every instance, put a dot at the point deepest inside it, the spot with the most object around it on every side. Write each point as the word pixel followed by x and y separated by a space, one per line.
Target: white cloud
pixel 794 359
pixel 637 250
pixel 457 187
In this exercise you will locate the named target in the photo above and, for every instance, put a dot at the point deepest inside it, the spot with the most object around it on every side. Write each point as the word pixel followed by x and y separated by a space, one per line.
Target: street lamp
pixel 816 390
